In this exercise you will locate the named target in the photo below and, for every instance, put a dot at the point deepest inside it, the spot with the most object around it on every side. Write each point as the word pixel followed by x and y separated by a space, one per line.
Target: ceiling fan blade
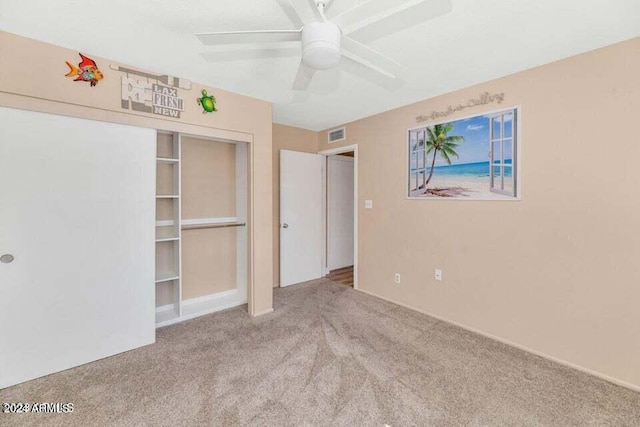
pixel 243 37
pixel 303 78
pixel 291 13
pixel 251 53
pixel 307 10
pixel 385 64
pixel 374 19
pixel 372 74
pixel 365 11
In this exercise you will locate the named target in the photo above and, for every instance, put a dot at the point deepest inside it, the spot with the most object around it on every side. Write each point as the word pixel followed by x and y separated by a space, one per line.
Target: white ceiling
pixel 478 41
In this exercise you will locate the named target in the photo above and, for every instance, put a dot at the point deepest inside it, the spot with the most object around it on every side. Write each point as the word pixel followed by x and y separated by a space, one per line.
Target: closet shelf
pixel 165 276
pixel 218 225
pixel 166 232
pixel 167 160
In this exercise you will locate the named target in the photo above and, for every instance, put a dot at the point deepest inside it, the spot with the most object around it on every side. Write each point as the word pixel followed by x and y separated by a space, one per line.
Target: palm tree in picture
pixel 439 141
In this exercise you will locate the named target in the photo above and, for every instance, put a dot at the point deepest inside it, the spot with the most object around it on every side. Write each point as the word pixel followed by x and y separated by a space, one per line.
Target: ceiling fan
pixel 327 43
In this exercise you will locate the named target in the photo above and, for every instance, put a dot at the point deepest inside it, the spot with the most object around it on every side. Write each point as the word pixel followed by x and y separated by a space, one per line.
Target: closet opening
pixel 201 226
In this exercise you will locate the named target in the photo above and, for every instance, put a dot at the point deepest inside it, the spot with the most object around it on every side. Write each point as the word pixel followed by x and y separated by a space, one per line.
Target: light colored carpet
pixel 327 356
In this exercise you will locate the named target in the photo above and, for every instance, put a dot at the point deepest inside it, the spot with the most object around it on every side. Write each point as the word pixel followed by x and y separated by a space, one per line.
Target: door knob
pixel 6 258
pixel 285 225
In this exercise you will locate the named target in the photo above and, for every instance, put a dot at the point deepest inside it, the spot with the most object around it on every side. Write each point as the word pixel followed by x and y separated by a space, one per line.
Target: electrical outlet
pixel 396 278
pixel 438 274
pixel 368 204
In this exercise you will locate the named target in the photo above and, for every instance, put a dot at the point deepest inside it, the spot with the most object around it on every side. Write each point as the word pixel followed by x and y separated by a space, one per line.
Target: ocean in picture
pixel 477 169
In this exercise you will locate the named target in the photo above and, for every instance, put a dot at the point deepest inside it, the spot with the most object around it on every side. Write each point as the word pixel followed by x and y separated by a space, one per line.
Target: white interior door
pixel 77 215
pixel 300 217
pixel 339 212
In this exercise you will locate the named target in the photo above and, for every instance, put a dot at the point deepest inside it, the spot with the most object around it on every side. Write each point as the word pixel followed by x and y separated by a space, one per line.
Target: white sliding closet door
pixel 77 215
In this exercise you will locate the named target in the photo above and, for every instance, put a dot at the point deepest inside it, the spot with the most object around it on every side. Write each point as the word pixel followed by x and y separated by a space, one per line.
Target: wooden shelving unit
pixel 168 233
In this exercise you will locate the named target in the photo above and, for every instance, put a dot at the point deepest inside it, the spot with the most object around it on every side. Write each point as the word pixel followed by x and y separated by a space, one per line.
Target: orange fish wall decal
pixel 86 71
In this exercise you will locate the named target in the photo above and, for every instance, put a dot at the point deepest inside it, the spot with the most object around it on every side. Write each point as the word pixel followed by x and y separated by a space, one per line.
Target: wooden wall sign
pixel 152 93
pixel 482 99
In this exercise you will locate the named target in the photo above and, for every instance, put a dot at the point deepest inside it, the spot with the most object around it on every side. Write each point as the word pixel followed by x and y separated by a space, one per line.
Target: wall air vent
pixel 336 135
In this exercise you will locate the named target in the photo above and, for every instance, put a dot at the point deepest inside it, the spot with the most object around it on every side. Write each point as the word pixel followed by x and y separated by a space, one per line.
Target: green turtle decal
pixel 207 102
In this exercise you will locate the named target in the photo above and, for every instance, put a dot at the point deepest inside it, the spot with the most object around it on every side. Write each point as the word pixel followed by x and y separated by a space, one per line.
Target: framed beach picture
pixel 473 158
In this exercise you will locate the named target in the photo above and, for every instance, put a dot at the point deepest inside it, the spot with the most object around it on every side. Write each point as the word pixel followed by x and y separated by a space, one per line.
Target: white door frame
pixel 326 154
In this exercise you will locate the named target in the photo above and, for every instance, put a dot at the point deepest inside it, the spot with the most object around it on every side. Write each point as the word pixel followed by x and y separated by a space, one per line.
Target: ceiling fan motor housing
pixel 321 45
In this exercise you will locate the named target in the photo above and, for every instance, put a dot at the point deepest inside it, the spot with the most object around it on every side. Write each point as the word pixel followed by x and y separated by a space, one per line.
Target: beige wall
pixel 208 261
pixel 557 272
pixel 286 138
pixel 208 179
pixel 45 88
pixel 208 188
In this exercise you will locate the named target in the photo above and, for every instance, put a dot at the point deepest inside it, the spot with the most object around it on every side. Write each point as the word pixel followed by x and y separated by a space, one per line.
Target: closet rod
pixel 199 226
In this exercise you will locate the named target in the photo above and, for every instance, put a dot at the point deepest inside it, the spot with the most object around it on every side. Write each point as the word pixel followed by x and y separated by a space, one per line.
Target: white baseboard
pixel 211 297
pixel 200 306
pixel 164 308
pixel 513 344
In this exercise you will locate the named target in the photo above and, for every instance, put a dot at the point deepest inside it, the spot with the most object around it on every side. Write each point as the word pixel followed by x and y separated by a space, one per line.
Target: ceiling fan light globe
pixel 321 57
pixel 321 45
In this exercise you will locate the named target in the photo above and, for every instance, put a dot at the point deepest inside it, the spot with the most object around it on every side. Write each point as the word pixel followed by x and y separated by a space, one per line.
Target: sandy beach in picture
pixel 459 187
